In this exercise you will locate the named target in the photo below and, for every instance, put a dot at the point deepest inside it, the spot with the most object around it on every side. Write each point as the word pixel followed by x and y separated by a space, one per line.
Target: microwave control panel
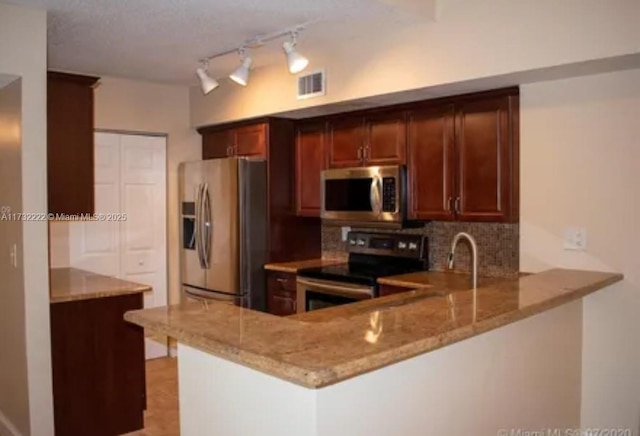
pixel 389 190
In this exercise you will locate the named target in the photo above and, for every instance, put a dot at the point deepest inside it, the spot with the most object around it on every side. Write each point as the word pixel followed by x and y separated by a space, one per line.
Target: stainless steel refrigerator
pixel 223 230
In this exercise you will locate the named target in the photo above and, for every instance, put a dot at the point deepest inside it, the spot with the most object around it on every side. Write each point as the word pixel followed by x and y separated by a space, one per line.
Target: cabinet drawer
pixel 282 282
pixel 281 293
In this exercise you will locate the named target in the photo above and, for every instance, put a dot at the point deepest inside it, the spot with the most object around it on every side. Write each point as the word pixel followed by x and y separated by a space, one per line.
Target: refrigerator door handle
pixel 196 229
pixel 207 226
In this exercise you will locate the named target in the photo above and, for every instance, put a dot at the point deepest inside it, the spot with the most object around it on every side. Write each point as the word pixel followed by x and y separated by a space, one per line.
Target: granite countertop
pixel 365 336
pixel 448 280
pixel 294 266
pixel 70 284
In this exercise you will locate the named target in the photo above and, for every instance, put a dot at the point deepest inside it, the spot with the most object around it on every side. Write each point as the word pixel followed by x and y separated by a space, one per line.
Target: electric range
pixel 371 256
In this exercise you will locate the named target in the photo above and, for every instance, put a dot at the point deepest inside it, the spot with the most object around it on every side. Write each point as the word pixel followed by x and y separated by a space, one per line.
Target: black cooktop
pixel 375 255
pixel 359 273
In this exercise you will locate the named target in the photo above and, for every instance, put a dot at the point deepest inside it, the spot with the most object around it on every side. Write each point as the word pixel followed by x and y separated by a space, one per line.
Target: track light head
pixel 295 60
pixel 207 83
pixel 241 74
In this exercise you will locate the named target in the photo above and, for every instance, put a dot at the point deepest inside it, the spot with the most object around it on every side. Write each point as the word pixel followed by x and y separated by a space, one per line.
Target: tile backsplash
pixel 498 245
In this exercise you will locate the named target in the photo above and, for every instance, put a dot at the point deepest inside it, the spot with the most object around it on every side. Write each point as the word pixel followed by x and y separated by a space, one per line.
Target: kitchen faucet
pixel 474 255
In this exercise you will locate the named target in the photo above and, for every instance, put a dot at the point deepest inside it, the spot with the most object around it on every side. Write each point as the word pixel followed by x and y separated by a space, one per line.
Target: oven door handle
pixel 337 288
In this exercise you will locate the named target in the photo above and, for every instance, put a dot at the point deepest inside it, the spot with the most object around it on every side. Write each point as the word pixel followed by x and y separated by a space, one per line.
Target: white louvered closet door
pixel 130 178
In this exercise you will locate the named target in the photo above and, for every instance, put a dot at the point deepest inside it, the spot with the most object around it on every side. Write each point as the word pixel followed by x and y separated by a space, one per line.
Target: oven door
pixel 316 294
pixel 364 195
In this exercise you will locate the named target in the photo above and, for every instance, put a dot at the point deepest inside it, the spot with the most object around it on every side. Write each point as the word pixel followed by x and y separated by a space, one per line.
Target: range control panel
pixel 388 244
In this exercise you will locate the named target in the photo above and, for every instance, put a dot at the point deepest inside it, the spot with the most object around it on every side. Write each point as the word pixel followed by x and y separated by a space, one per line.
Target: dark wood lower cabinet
pixel 281 293
pixel 391 290
pixel 98 367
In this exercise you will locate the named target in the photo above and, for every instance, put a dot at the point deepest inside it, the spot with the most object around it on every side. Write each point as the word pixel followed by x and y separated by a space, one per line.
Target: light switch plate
pixel 345 233
pixel 575 238
pixel 13 255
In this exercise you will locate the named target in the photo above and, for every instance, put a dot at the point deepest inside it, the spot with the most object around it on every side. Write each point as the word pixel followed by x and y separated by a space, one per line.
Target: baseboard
pixel 6 427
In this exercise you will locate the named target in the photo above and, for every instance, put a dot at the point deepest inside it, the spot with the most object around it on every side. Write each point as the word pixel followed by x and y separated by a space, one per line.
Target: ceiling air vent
pixel 311 85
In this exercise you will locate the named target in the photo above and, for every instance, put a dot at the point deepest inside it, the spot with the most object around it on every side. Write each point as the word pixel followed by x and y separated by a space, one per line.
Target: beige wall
pixel 580 166
pixel 471 40
pixel 23 53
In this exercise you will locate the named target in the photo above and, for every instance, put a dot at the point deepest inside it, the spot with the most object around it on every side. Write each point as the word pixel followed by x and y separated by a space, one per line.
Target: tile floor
pixel 162 417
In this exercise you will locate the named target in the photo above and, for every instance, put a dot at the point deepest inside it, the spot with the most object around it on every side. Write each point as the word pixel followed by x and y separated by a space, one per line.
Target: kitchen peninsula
pixel 395 365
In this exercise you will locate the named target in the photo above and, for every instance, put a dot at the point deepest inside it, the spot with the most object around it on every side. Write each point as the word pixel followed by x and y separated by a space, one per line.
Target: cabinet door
pixel 487 156
pixel 346 142
pixel 98 367
pixel 385 139
pixel 70 143
pixel 216 144
pixel 392 290
pixel 431 163
pixel 310 161
pixel 250 140
pixel 281 293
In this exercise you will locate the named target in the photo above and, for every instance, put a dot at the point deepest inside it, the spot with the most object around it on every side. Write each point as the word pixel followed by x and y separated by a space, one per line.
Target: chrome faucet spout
pixel 474 255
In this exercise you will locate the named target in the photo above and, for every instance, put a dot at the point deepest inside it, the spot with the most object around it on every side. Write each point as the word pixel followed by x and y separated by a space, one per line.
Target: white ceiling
pixel 162 40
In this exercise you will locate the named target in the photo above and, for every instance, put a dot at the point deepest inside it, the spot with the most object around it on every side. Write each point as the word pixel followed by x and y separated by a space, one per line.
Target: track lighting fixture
pixel 207 83
pixel 295 60
pixel 241 74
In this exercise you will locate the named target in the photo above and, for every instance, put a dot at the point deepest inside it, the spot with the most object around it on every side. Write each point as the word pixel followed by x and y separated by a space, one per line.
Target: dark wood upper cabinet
pixel 310 161
pixel 385 139
pixel 217 144
pixel 70 167
pixel 487 159
pixel 431 163
pixel 463 159
pixel 345 146
pixel 250 140
pixel 372 140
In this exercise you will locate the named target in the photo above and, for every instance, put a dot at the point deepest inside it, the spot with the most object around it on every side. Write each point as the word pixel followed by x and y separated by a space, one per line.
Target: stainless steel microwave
pixel 366 196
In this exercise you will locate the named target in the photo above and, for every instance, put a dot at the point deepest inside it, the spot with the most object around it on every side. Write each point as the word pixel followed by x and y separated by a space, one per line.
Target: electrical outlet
pixel 575 238
pixel 345 233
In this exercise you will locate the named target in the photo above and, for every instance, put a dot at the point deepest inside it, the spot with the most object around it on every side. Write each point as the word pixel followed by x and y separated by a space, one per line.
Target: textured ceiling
pixel 161 40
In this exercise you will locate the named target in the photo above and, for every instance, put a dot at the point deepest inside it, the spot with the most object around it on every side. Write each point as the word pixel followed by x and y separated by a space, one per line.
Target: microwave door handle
pixel 375 196
pixel 206 202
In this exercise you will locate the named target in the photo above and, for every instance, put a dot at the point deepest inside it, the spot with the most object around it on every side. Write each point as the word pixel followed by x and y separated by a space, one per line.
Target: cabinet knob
pixel 457 205
pixel 448 206
pixel 360 153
